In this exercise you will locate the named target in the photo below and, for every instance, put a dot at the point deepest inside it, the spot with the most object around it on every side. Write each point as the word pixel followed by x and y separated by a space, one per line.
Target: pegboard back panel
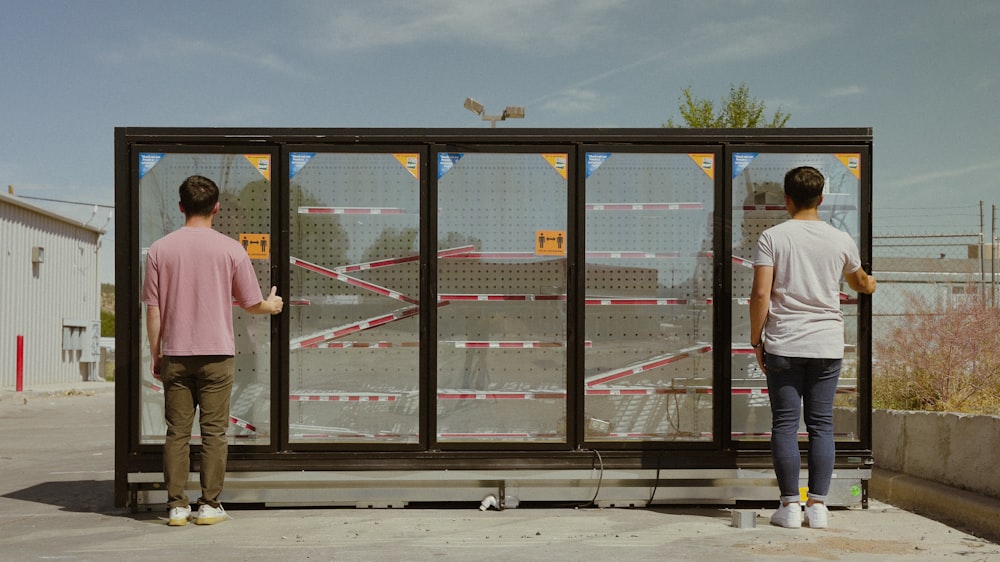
pixel 538 277
pixel 622 280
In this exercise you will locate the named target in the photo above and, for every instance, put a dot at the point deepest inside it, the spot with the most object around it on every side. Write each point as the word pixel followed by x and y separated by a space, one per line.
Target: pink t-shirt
pixel 193 275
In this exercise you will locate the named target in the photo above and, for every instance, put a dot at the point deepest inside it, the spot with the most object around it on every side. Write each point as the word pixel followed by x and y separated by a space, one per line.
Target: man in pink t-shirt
pixel 193 275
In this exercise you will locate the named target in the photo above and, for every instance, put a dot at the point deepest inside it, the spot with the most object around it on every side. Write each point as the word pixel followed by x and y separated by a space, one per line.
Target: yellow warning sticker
pixel 550 242
pixel 258 246
pixel 706 162
pixel 262 163
pixel 411 162
pixel 558 163
pixel 852 162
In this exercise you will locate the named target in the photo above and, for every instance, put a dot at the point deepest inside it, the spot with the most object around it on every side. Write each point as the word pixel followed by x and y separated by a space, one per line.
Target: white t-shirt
pixel 809 259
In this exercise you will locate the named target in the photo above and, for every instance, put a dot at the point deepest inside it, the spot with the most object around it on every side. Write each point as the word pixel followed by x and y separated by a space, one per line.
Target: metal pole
pixel 982 258
pixel 993 258
pixel 19 384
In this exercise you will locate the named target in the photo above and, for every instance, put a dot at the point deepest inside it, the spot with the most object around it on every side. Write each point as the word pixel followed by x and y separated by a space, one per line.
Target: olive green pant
pixel 205 383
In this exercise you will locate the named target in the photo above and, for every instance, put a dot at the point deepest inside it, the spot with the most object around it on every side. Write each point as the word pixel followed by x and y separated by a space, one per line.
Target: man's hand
pixel 861 281
pixel 271 305
pixel 759 353
pixel 274 302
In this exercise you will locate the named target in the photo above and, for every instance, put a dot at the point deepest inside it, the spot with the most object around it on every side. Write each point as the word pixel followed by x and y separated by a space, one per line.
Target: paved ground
pixel 56 502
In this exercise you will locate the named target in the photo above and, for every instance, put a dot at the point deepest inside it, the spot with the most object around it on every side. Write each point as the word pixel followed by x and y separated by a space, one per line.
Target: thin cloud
pixel 940 175
pixel 572 101
pixel 986 83
pixel 514 25
pixel 708 44
pixel 575 89
pixel 163 47
pixel 845 92
pixel 755 38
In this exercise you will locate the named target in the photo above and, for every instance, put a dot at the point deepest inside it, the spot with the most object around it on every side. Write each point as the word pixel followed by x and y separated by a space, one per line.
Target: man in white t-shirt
pixel 797 332
pixel 193 275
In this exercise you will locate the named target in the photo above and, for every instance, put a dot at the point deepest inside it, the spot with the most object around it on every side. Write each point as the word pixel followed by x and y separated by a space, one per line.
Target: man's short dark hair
pixel 804 186
pixel 199 196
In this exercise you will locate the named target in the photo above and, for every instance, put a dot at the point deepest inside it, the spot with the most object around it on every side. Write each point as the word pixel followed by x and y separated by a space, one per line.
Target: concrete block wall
pixel 958 450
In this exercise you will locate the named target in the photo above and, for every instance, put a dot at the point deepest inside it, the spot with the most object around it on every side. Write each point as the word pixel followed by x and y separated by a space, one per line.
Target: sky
pixel 922 74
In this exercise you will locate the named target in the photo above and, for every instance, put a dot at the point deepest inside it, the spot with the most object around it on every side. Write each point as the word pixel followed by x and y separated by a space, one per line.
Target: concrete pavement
pixel 56 502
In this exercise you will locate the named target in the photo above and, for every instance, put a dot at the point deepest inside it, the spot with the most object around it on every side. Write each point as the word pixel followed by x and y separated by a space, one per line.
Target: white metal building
pixel 49 296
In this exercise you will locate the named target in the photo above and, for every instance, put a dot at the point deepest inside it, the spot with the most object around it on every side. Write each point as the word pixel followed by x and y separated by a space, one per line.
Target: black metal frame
pixel 280 455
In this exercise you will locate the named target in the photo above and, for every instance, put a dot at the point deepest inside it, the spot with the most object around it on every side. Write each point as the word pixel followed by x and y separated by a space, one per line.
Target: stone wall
pixel 958 450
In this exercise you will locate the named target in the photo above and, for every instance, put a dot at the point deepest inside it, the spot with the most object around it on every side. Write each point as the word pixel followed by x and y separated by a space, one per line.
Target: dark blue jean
pixel 808 385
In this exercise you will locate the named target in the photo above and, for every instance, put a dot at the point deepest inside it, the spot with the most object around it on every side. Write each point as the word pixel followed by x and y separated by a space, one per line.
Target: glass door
pixel 501 280
pixel 354 338
pixel 758 204
pixel 649 305
pixel 245 200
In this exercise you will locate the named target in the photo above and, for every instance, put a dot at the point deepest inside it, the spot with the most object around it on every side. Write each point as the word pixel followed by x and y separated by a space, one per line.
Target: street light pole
pixel 509 112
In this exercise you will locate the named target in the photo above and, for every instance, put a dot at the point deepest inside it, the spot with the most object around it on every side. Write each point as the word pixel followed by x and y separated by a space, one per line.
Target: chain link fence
pixel 936 337
pixel 919 274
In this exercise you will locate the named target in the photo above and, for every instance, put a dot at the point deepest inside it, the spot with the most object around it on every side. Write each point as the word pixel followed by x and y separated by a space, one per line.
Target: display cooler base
pixel 397 489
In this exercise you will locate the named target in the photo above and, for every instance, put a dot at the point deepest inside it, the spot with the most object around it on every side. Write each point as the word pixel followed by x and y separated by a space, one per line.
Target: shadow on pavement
pixel 79 496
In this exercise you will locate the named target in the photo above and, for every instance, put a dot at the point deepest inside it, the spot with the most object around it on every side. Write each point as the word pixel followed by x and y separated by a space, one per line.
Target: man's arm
pixel 271 305
pixel 760 304
pixel 153 333
pixel 860 281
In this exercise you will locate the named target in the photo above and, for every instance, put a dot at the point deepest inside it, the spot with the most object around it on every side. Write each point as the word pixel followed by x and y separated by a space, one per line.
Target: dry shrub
pixel 941 357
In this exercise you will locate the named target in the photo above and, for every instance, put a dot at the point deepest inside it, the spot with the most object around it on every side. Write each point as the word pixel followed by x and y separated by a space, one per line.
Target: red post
pixel 20 364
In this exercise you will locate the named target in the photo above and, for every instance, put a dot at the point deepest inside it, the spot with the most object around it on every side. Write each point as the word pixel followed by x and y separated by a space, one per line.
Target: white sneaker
pixel 208 515
pixel 788 516
pixel 817 516
pixel 179 516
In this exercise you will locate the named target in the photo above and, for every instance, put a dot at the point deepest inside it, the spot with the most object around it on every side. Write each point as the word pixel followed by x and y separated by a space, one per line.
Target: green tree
pixel 107 310
pixel 737 110
pixel 107 324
